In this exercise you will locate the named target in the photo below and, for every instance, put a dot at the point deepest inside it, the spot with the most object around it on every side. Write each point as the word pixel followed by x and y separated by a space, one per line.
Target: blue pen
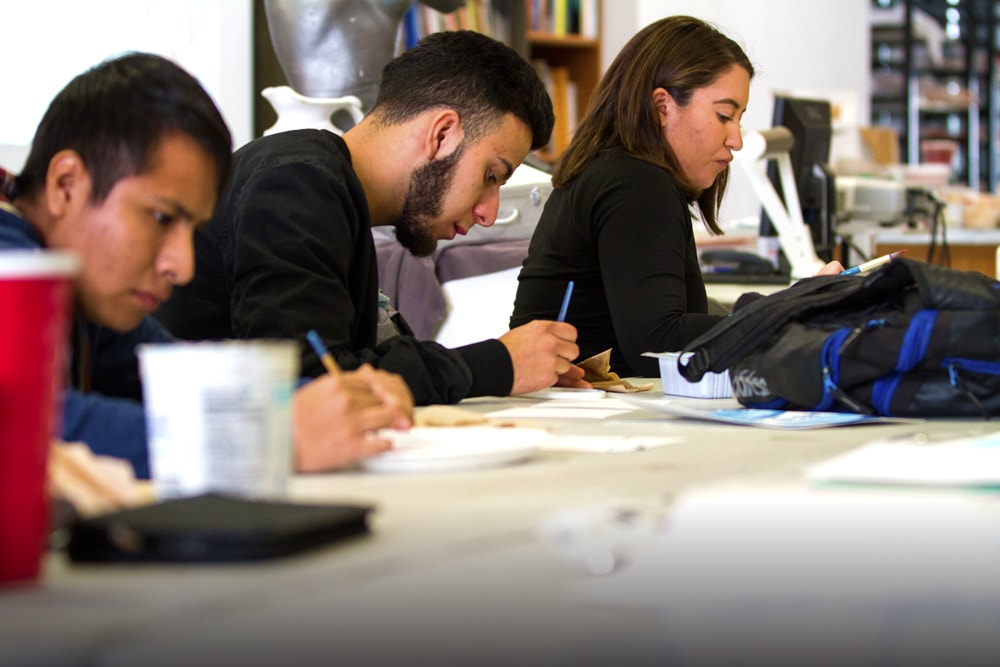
pixel 565 303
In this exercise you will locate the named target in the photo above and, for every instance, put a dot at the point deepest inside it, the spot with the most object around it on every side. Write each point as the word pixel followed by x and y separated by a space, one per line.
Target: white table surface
pixel 497 566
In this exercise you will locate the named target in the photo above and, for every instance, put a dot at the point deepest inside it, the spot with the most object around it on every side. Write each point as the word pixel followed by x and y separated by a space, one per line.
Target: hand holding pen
pixel 872 264
pixel 542 352
pixel 367 385
pixel 338 415
pixel 324 354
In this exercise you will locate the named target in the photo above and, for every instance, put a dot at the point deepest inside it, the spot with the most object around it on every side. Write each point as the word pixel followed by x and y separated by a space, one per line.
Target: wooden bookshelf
pixel 574 57
pixel 579 57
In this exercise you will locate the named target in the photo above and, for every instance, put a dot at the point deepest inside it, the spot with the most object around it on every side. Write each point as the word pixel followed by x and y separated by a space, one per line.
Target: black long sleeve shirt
pixel 290 249
pixel 622 231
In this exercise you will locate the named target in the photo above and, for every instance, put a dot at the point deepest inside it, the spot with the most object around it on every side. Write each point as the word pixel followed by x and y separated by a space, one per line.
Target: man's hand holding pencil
pixel 337 414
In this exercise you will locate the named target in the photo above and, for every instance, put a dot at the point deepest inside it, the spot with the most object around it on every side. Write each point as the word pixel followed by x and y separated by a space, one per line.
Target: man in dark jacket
pixel 128 159
pixel 290 246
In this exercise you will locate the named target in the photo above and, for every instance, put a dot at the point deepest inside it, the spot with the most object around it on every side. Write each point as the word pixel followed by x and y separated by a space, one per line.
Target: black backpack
pixel 909 340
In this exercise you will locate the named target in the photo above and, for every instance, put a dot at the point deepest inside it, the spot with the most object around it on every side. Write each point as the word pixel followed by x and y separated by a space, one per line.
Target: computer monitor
pixel 811 124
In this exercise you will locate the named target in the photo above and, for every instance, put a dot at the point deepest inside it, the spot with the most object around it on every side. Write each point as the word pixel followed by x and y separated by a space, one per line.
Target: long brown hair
pixel 677 53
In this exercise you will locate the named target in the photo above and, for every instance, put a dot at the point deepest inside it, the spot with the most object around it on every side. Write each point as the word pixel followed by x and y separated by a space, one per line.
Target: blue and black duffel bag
pixel 909 340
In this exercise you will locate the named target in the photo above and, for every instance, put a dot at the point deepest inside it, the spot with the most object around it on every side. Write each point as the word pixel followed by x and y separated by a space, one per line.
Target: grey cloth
pixel 413 284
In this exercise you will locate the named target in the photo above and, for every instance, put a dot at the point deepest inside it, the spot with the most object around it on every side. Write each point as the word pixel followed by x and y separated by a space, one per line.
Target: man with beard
pixel 290 247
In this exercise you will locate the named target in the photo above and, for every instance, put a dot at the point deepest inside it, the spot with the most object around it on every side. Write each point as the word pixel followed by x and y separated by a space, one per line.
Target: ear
pixel 662 102
pixel 444 134
pixel 67 183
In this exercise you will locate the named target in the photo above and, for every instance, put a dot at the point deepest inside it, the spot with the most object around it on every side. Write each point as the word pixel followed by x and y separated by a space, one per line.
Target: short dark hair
pixel 679 54
pixel 115 115
pixel 477 76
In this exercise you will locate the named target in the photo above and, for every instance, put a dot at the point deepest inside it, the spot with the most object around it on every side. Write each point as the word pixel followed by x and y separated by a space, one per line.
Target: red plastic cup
pixel 35 301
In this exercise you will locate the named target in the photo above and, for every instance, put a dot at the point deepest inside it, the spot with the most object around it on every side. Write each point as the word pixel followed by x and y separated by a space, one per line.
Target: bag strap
pixel 754 323
pixel 948 289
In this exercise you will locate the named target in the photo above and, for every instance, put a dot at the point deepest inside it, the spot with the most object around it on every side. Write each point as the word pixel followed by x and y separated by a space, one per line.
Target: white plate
pixel 565 392
pixel 449 449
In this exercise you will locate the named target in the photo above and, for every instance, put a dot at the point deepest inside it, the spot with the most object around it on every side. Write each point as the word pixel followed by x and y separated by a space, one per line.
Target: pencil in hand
pixel 324 354
pixel 872 265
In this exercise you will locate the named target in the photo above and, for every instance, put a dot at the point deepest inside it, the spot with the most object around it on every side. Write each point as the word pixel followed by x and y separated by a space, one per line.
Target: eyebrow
pixel 180 211
pixel 509 167
pixel 728 100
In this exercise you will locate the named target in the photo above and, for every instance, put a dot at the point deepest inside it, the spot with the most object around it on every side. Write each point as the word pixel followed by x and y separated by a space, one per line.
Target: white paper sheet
pixel 606 444
pixel 583 408
pixel 965 462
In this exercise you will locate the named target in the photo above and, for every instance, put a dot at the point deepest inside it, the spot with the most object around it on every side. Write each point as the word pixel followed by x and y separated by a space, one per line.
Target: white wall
pixel 52 40
pixel 48 42
pixel 819 47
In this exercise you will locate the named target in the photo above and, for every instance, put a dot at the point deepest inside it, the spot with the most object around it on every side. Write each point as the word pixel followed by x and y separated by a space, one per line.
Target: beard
pixel 428 186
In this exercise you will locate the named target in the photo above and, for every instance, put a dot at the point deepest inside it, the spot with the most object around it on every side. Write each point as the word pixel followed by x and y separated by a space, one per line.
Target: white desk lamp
pixel 794 236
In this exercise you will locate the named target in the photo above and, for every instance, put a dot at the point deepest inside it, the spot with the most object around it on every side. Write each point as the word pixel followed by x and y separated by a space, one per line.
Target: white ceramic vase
pixel 335 48
pixel 296 111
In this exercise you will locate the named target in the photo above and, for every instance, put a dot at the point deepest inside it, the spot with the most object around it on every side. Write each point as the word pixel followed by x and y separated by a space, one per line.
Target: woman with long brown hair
pixel 656 141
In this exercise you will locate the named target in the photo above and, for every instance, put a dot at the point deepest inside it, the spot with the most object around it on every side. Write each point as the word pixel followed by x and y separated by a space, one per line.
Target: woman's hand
pixel 831 269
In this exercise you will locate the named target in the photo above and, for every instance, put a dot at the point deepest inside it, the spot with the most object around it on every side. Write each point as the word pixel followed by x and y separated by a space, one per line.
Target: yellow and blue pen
pixel 324 354
pixel 871 265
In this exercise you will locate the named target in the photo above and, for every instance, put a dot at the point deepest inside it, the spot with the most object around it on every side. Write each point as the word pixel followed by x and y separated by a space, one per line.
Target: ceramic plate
pixel 565 392
pixel 448 449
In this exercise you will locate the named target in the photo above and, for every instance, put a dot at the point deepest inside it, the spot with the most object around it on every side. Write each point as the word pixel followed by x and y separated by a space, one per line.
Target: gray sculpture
pixel 337 48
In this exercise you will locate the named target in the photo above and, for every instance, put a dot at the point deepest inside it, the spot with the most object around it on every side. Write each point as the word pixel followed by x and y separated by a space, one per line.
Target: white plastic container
pixel 711 385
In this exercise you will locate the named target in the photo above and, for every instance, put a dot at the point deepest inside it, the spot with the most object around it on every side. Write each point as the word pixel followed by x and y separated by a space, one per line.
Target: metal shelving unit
pixel 934 76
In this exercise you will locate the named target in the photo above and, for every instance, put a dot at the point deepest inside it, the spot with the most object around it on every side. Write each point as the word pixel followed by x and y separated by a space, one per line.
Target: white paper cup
pixel 218 416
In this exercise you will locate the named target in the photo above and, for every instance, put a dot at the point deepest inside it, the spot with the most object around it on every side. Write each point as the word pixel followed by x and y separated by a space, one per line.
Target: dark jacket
pixel 290 249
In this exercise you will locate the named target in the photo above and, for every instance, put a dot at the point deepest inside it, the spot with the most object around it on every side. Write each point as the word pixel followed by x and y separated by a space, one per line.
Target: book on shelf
pixel 449 20
pixel 560 17
pixel 411 28
pixel 563 93
pixel 563 17
pixel 539 15
pixel 545 74
pixel 566 118
pixel 490 17
pixel 560 106
pixel 589 18
pixel 473 21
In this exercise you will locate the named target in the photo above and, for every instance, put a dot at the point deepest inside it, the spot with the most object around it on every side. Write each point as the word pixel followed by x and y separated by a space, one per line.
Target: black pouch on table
pixel 212 528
